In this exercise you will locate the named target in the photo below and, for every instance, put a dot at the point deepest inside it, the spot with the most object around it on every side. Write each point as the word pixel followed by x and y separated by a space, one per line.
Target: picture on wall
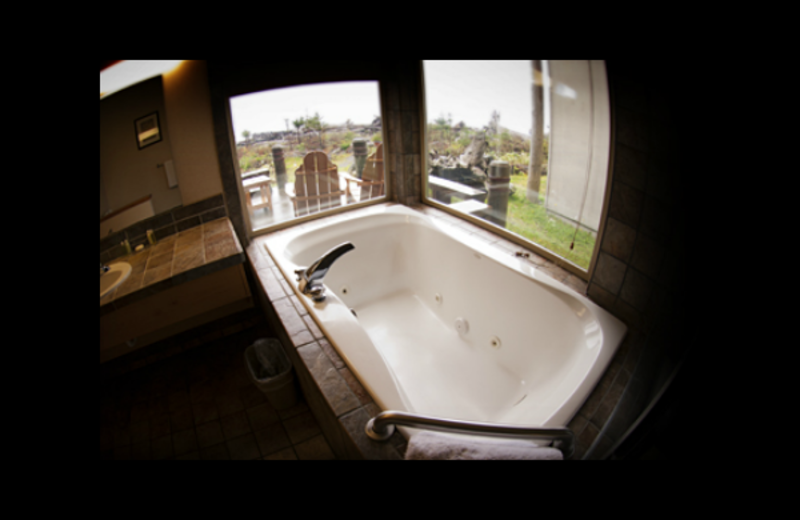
pixel 148 131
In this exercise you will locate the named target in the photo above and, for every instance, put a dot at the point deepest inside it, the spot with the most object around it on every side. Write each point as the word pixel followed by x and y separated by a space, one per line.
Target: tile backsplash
pixel 163 225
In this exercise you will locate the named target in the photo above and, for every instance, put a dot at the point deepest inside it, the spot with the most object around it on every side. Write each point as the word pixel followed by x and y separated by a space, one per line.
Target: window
pixel 523 146
pixel 308 150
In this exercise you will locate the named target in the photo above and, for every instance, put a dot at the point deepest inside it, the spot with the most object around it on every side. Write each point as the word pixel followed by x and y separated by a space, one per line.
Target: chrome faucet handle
pixel 299 272
pixel 317 293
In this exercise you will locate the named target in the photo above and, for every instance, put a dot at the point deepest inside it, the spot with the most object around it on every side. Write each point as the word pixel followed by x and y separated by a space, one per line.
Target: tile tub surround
pixel 177 259
pixel 348 405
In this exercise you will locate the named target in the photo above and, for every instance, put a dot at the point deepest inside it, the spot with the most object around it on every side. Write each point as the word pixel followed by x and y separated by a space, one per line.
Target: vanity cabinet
pixel 191 278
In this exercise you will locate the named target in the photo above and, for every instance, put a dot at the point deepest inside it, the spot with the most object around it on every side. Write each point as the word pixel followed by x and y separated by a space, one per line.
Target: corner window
pixel 523 146
pixel 308 150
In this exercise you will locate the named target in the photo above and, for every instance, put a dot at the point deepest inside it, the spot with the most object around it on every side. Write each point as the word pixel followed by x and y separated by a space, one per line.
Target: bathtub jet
pixel 311 279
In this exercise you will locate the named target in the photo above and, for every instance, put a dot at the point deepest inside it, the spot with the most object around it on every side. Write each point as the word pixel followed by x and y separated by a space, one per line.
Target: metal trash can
pixel 271 371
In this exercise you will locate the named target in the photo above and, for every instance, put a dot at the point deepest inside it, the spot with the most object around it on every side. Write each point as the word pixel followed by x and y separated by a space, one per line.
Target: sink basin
pixel 117 273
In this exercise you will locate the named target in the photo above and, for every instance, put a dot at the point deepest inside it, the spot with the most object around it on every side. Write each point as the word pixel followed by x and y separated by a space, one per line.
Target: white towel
pixel 427 445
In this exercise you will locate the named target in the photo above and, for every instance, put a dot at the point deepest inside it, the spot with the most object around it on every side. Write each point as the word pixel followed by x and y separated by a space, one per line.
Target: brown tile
pixel 235 425
pixel 184 441
pixel 244 448
pixel 122 453
pixel 209 434
pixel 315 448
pixel 301 427
pixel 647 256
pixel 181 418
pixel 287 454
pixel 141 451
pixel 251 396
pixel 355 386
pixel 178 400
pixel 618 239
pixel 636 289
pixel 609 273
pixel 189 259
pixel 159 425
pixel 626 204
pixel 158 260
pixel 335 390
pixel 215 452
pixel 330 351
pixel 271 439
pixel 262 416
pixel 228 403
pixel 194 455
pixel 140 431
pixel 157 274
pixel 162 448
pixel 204 412
pixel 166 244
pixel 217 249
pixel 201 391
pixel 122 436
pixel 297 409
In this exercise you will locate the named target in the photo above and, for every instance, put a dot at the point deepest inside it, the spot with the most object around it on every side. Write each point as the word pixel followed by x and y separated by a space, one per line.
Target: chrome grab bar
pixel 381 427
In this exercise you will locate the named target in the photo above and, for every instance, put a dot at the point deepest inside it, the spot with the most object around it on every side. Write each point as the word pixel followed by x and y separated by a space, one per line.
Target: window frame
pixel 562 262
pixel 277 226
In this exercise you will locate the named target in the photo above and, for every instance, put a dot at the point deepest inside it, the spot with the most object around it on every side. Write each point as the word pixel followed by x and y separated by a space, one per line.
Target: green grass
pixel 532 222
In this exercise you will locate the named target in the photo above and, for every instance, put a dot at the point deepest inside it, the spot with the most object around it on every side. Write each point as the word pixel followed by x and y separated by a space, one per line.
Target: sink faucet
pixel 311 279
pixel 103 268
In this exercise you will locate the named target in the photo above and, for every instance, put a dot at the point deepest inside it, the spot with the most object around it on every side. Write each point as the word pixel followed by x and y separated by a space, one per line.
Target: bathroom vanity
pixel 183 281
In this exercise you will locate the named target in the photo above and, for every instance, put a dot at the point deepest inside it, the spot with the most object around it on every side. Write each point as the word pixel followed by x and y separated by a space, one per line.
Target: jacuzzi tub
pixel 436 322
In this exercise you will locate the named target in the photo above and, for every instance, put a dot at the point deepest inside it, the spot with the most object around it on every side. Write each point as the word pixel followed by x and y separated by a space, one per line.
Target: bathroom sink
pixel 117 273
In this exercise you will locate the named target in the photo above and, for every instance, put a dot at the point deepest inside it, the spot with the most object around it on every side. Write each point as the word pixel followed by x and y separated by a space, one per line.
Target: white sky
pixel 267 111
pixel 471 90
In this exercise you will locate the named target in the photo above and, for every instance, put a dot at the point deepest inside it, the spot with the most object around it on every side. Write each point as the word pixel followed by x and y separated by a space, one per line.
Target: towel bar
pixel 381 427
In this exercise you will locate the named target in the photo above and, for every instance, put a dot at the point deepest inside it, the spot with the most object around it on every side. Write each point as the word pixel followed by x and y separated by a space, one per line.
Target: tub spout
pixel 311 279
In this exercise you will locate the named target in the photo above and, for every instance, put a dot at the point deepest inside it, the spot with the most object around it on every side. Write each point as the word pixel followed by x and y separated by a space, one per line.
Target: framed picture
pixel 148 131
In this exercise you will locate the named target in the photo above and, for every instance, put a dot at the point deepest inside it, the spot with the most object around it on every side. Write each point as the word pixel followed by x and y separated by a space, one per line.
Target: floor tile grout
pixel 160 396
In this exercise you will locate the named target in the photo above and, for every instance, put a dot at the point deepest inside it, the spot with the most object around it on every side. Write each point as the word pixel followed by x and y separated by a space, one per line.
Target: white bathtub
pixel 533 349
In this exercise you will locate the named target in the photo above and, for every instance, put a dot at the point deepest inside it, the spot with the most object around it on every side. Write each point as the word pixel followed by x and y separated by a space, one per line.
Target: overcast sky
pixel 267 111
pixel 471 90
pixel 468 90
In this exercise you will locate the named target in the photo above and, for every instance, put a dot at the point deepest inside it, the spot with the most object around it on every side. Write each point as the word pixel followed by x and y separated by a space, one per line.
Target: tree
pixel 315 122
pixel 246 135
pixel 298 124
pixel 537 135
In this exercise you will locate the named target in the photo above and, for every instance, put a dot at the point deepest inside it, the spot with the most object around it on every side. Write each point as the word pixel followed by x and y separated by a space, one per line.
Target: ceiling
pixel 116 75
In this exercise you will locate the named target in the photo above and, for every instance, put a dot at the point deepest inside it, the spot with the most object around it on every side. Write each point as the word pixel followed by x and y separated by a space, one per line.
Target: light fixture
pixel 129 72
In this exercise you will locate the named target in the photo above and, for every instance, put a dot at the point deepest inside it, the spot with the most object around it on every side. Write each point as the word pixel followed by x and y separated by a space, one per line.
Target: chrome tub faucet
pixel 311 279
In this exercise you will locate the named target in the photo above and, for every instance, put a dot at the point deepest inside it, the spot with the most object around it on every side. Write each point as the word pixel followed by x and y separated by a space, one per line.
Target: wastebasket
pixel 271 370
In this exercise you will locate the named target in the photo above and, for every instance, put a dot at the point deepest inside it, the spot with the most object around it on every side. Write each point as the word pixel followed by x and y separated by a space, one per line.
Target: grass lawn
pixel 532 222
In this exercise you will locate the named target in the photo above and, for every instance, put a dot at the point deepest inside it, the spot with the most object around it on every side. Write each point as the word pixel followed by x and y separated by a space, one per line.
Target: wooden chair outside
pixel 316 185
pixel 371 182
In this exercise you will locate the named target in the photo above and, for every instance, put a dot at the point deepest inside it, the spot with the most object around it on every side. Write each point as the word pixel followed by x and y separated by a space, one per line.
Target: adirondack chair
pixel 371 182
pixel 316 185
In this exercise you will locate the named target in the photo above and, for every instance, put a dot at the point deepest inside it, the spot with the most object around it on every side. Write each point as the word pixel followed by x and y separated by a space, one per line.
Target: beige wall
pixel 126 172
pixel 188 105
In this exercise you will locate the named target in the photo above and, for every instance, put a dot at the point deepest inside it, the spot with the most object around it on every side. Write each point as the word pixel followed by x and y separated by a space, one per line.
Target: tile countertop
pixel 175 260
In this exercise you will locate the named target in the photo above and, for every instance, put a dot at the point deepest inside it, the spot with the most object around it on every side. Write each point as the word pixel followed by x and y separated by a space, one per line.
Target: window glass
pixel 308 149
pixel 522 145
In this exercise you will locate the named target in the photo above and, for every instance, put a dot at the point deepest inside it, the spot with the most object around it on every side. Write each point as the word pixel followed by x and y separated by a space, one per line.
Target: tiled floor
pixel 201 405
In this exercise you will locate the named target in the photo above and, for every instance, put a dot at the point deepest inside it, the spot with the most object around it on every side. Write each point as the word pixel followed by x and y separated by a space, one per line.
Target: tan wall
pixel 126 172
pixel 188 104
